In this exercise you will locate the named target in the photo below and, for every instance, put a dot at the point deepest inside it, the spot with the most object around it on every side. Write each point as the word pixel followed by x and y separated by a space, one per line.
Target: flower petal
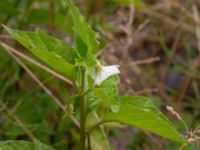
pixel 106 72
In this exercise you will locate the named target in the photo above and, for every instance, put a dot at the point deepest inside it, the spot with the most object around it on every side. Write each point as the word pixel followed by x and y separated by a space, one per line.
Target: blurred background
pixel 155 42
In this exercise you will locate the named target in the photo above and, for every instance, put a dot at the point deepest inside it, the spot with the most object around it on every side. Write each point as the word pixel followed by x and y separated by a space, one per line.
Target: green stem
pixel 82 124
pixel 82 109
pixel 89 143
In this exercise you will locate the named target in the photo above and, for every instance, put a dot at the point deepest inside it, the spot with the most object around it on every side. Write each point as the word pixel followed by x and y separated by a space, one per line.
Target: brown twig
pixel 146 61
pixel 196 17
pixel 185 11
pixel 174 48
pixel 37 80
pixel 9 49
pixel 154 141
pixel 168 20
pixel 146 91
pixel 196 63
pixel 128 30
pixel 18 53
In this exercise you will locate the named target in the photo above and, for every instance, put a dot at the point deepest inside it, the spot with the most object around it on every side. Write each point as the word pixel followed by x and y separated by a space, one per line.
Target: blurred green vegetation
pixel 158 30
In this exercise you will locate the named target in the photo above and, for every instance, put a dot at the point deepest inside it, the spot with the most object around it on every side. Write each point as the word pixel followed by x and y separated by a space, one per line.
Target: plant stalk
pixel 82 123
pixel 89 142
pixel 82 110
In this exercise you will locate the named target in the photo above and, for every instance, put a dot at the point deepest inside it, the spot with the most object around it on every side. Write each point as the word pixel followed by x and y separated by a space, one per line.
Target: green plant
pixel 95 84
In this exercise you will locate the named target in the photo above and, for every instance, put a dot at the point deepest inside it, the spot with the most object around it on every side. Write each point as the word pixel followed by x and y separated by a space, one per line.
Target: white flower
pixel 103 72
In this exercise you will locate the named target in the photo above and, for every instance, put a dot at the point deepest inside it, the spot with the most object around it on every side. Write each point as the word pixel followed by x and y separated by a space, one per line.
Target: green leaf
pixel 83 30
pixel 141 113
pixel 93 101
pixel 56 53
pixel 98 141
pixel 107 92
pixel 23 145
pixel 98 136
pixel 80 46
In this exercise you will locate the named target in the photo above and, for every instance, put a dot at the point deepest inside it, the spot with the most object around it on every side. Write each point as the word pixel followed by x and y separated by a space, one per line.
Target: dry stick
pixel 163 76
pixel 185 11
pixel 36 79
pixel 195 64
pixel 131 14
pixel 168 20
pixel 154 141
pixel 129 24
pixel 128 30
pixel 142 26
pixel 173 51
pixel 197 129
pixel 18 53
pixel 196 17
pixel 42 85
pixel 75 121
pixel 175 4
pixel 146 91
pixel 146 61
pixel 17 120
pixel 187 79
pixel 165 96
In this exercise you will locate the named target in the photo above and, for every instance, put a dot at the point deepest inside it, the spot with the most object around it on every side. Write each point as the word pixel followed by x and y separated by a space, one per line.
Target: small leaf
pixel 83 30
pixel 93 101
pixel 23 145
pixel 56 53
pixel 80 46
pixel 141 113
pixel 107 92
